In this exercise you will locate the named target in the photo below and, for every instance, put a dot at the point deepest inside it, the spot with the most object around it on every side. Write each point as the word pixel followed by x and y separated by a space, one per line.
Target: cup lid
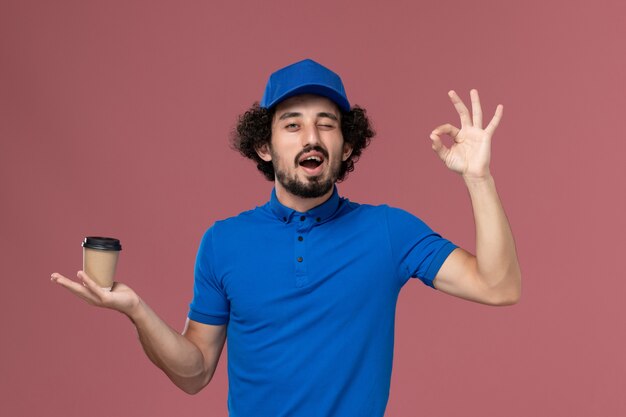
pixel 102 243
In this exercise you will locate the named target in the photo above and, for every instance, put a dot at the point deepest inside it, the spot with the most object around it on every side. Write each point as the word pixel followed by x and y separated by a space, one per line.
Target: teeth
pixel 314 158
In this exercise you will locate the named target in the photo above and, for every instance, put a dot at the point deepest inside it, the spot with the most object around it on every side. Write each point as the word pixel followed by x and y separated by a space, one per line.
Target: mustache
pixel 309 149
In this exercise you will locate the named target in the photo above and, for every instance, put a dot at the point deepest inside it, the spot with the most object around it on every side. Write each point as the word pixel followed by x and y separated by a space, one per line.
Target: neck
pixel 297 203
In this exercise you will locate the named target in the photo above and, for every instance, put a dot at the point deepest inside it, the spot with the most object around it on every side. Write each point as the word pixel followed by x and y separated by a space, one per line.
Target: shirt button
pixel 302 218
pixel 319 219
pixel 300 238
pixel 284 219
pixel 300 259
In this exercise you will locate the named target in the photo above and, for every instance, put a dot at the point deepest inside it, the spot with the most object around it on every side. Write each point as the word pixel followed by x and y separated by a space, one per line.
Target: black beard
pixel 314 187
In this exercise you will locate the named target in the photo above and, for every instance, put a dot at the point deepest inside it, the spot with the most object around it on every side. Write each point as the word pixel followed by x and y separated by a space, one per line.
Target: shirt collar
pixel 319 213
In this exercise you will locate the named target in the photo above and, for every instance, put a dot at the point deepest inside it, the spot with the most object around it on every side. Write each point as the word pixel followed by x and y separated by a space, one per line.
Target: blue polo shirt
pixel 310 302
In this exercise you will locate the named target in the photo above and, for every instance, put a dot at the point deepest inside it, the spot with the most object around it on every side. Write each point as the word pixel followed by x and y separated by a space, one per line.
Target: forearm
pixel 178 357
pixel 497 262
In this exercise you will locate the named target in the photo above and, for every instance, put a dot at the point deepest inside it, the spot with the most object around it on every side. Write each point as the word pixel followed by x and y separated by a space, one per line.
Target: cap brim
pixel 317 89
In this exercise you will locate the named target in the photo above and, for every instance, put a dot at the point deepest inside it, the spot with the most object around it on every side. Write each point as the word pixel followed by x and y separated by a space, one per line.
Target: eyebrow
pixel 295 114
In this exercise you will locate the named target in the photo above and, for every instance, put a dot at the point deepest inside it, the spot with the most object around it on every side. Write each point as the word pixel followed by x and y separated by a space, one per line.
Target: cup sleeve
pixel 210 304
pixel 416 249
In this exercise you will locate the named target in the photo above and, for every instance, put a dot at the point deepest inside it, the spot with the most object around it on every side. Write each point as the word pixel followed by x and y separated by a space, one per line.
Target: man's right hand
pixel 189 360
pixel 121 297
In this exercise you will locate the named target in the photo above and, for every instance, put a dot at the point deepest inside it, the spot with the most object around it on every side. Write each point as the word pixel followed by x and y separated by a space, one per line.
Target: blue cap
pixel 304 77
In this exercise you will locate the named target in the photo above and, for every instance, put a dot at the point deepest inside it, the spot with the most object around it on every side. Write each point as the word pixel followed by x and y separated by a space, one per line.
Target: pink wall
pixel 114 120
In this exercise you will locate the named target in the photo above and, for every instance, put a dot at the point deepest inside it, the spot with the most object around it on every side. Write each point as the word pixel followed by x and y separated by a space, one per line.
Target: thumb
pixel 87 281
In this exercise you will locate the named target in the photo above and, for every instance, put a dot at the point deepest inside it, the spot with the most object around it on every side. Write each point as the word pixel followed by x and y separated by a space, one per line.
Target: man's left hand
pixel 470 153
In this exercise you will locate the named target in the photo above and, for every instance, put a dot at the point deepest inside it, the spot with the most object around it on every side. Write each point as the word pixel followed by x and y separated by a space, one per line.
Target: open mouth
pixel 312 163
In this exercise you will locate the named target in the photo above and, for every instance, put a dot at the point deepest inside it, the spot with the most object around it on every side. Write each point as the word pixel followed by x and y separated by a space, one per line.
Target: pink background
pixel 114 119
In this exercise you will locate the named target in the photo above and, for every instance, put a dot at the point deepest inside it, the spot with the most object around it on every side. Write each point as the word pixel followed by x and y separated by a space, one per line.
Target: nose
pixel 311 136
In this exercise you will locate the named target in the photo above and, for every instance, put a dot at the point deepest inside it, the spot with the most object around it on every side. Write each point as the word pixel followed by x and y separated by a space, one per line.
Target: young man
pixel 306 285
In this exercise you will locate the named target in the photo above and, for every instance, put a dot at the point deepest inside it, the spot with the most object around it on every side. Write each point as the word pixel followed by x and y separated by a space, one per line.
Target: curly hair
pixel 254 129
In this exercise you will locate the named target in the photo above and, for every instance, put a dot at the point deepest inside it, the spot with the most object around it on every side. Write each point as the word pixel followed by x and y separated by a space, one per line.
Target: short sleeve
pixel 417 250
pixel 210 304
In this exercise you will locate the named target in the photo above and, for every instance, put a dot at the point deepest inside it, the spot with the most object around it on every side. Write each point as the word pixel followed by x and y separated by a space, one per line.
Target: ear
pixel 264 152
pixel 347 151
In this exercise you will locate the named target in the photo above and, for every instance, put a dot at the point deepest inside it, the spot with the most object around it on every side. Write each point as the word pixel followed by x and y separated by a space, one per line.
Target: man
pixel 306 285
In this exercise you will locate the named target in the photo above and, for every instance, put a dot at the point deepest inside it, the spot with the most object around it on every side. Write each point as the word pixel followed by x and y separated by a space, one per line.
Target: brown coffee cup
pixel 100 256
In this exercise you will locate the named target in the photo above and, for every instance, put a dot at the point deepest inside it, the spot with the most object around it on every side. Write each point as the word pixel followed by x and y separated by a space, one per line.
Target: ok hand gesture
pixel 470 153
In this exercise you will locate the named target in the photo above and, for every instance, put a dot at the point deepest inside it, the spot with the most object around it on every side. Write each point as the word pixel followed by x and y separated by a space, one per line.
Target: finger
pixel 449 130
pixel 460 108
pixel 439 148
pixel 96 289
pixel 491 127
pixel 74 287
pixel 477 112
